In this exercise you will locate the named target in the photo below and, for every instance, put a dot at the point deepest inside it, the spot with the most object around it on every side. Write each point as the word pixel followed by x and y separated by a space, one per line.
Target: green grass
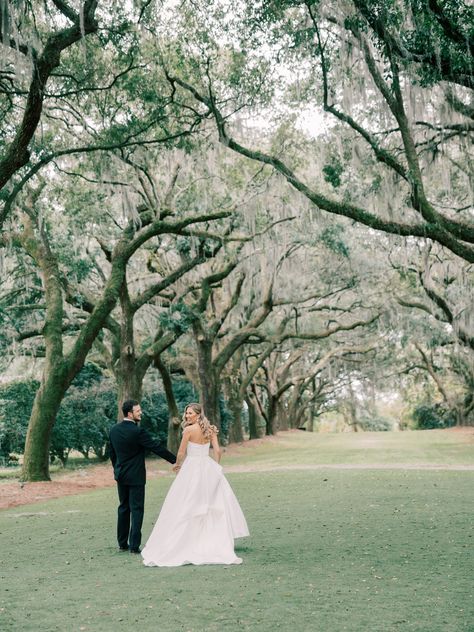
pixel 330 550
pixel 429 447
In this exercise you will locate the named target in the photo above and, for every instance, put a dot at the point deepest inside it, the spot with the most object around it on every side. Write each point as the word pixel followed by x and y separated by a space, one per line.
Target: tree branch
pixel 426 229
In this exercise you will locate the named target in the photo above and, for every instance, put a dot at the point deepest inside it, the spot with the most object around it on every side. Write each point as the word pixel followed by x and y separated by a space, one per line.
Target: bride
pixel 200 516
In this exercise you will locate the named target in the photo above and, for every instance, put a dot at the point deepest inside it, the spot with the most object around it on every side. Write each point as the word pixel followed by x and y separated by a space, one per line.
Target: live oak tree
pixel 103 110
pixel 61 363
pixel 127 349
pixel 214 293
pixel 144 324
pixel 104 95
pixel 435 289
pixel 299 308
pixel 85 111
pixel 396 157
pixel 405 132
pixel 33 39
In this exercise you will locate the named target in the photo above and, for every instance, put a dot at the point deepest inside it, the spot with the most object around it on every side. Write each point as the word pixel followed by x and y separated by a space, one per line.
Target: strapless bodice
pixel 197 449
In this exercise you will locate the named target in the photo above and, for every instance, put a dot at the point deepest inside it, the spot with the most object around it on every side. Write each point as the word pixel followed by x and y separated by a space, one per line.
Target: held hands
pixel 176 468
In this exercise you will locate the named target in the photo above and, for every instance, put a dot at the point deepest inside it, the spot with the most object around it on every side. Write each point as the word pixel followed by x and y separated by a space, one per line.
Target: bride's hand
pixel 176 468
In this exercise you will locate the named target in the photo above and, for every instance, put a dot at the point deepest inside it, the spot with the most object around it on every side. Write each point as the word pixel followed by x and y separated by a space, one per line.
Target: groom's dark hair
pixel 128 405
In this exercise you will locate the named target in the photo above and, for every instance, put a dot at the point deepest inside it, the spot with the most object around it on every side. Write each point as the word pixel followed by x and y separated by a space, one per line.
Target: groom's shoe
pixel 136 551
pixel 123 549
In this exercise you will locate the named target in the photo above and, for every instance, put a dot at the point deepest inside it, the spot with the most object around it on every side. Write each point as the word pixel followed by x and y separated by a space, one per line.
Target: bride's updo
pixel 207 428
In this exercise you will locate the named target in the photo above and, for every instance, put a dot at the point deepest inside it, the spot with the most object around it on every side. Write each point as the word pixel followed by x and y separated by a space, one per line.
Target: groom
pixel 128 443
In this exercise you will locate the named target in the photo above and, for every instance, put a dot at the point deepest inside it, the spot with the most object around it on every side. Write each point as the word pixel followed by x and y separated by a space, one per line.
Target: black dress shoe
pixel 123 549
pixel 136 551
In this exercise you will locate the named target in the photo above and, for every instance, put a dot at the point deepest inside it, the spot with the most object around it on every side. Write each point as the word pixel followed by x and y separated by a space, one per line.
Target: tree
pixel 439 43
pixel 128 356
pixel 19 33
pixel 435 287
pixel 406 153
pixel 107 96
pixel 16 400
pixel 60 366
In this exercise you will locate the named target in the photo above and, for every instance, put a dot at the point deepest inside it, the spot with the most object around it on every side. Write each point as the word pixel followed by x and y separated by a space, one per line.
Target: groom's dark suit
pixel 128 444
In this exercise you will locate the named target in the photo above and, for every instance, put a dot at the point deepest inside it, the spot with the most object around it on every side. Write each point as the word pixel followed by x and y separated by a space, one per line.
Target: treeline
pixel 276 207
pixel 85 417
pixel 89 409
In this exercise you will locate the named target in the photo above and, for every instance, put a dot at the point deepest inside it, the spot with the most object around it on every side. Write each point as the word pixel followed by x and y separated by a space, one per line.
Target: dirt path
pixel 14 494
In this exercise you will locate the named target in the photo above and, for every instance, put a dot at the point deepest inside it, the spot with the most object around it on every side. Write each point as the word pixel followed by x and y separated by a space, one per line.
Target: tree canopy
pixel 271 202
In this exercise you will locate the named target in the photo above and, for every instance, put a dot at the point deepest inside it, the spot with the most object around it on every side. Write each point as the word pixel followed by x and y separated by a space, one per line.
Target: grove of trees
pixel 266 206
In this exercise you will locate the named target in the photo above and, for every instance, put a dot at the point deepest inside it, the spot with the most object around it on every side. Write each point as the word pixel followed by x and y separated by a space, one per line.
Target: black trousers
pixel 130 515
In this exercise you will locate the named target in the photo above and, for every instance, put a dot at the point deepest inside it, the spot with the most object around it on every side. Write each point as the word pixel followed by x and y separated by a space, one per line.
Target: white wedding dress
pixel 200 516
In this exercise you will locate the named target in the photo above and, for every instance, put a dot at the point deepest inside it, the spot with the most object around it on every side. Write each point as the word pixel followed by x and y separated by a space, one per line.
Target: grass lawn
pixel 330 549
pixel 429 447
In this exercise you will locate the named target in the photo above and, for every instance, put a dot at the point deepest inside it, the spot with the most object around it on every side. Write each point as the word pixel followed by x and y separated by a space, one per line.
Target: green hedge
pixel 86 414
pixel 427 417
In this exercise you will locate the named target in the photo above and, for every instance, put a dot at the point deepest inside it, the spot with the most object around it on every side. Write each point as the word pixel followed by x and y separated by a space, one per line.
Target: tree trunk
pixel 468 408
pixel 174 433
pixel 208 383
pixel 283 421
pixel 174 419
pixel 354 422
pixel 236 434
pixel 231 388
pixel 129 384
pixel 271 420
pixel 253 419
pixel 312 412
pixel 299 418
pixel 295 408
pixel 43 415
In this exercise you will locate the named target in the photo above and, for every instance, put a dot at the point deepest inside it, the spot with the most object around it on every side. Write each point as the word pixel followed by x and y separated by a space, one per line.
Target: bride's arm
pixel 215 447
pixel 182 449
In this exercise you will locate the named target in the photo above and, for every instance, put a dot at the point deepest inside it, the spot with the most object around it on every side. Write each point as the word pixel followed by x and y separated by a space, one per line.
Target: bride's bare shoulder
pixel 193 432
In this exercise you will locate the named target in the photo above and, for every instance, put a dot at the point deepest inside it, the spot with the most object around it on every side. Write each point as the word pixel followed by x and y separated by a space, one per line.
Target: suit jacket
pixel 128 445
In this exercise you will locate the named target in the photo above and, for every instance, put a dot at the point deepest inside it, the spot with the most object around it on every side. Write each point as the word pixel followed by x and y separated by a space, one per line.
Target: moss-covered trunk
pixel 236 433
pixel 43 415
pixel 208 383
pixel 174 420
pixel 59 370
pixel 271 420
pixel 253 434
pixel 283 419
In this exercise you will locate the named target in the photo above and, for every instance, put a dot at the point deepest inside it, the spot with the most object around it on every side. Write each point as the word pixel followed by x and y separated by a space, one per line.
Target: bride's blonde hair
pixel 207 428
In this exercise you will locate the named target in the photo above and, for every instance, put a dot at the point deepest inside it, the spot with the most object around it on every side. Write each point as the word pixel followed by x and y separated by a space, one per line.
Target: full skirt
pixel 199 520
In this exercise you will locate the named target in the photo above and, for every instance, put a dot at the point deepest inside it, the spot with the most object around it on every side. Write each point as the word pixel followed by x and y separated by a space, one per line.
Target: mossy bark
pixel 208 381
pixel 174 420
pixel 43 415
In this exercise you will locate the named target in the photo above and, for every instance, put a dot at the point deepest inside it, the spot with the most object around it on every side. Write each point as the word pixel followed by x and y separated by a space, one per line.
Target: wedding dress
pixel 200 516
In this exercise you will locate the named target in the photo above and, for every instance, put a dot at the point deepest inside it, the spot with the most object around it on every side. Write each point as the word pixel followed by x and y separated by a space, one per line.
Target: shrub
pixel 376 424
pixel 85 416
pixel 427 417
pixel 16 401
pixel 155 408
pixel 83 421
